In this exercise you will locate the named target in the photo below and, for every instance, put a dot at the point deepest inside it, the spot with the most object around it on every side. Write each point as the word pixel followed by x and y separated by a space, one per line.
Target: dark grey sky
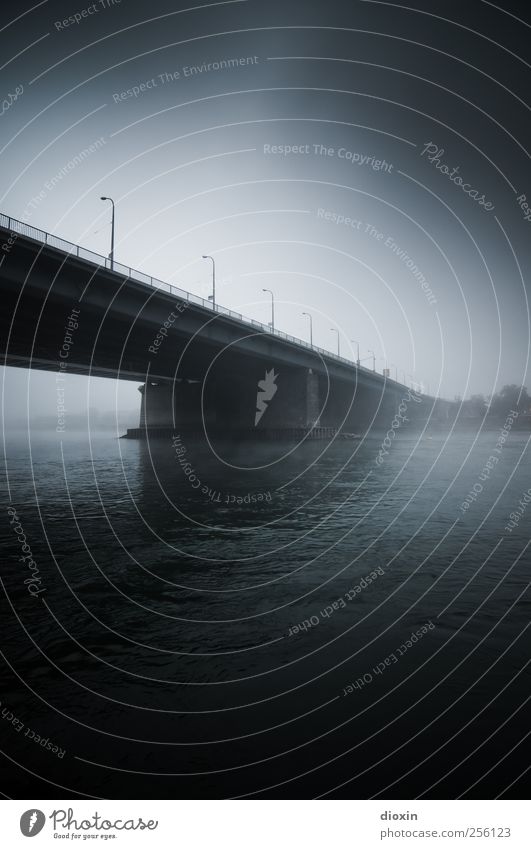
pixel 195 163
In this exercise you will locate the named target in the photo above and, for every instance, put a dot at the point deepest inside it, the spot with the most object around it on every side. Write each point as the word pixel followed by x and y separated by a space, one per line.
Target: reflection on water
pixel 204 614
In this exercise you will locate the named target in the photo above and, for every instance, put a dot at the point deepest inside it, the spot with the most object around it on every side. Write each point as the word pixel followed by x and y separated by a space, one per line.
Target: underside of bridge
pixel 254 399
pixel 200 369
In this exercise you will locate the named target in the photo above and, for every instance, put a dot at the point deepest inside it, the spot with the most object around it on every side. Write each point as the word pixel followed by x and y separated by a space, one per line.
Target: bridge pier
pixel 264 402
pixel 229 404
pixel 159 398
pixel 170 406
pixel 295 404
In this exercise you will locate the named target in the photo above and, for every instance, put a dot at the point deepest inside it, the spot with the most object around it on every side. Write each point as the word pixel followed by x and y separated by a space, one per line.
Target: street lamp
pixel 212 297
pixel 373 359
pixel 388 365
pixel 111 255
pixel 415 384
pixel 311 328
pixel 358 344
pixel 272 307
pixel 335 330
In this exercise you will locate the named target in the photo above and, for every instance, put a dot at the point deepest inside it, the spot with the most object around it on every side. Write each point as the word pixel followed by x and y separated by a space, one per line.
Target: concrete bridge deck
pixel 65 308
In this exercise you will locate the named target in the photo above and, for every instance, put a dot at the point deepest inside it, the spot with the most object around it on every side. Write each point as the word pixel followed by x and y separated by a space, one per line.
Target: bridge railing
pixel 27 230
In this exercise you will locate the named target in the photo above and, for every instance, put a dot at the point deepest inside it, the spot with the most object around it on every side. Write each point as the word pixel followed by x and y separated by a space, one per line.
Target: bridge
pixel 65 308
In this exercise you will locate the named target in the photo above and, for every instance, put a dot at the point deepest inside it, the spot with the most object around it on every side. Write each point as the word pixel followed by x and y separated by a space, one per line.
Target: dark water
pixel 161 654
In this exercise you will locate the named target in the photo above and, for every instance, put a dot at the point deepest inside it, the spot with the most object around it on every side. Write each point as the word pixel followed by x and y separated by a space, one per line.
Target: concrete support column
pixel 313 403
pixel 156 407
pixel 295 404
pixel 168 405
pixel 289 399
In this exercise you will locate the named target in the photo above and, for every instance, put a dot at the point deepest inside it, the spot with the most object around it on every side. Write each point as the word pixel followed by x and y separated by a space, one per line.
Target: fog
pixel 313 179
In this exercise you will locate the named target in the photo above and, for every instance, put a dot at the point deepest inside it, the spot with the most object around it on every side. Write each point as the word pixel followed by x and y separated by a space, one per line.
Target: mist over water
pixel 171 616
pixel 340 196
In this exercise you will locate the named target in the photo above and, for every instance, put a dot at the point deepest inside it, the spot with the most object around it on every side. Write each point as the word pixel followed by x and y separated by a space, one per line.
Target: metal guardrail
pixel 23 229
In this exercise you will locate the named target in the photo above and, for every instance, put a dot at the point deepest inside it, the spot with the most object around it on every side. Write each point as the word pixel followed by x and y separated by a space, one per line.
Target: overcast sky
pixel 289 140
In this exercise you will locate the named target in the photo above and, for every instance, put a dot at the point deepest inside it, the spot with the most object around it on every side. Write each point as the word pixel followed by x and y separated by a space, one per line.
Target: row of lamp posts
pixel 212 298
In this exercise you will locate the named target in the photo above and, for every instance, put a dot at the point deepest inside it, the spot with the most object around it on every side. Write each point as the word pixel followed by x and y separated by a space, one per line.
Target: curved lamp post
pixel 311 328
pixel 212 297
pixel 358 344
pixel 272 307
pixel 335 330
pixel 111 255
